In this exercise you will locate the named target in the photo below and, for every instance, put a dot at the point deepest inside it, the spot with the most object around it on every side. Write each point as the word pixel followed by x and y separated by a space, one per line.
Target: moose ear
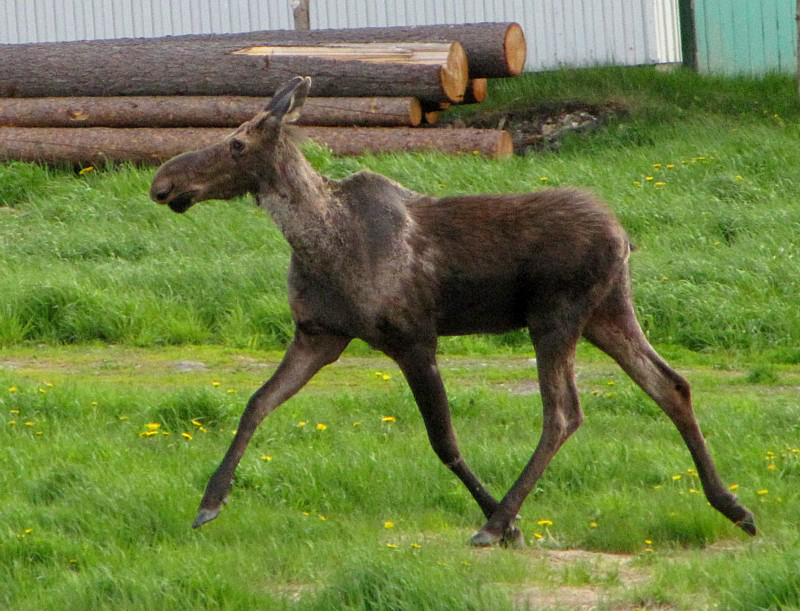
pixel 286 103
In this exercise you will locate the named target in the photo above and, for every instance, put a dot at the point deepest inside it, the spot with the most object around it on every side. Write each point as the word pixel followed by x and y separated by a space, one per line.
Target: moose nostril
pixel 163 193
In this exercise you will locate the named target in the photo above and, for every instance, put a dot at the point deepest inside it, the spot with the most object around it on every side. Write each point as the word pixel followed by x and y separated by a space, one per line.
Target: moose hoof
pixel 512 537
pixel 747 523
pixel 484 539
pixel 205 515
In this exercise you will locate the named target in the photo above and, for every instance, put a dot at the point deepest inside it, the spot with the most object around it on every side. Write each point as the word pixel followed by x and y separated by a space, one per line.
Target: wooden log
pixel 224 66
pixel 92 145
pixel 493 50
pixel 199 111
pixel 476 91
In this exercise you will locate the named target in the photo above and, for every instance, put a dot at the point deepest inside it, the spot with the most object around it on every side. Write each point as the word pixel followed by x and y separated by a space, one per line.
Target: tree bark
pixel 197 111
pixel 493 50
pixel 94 145
pixel 214 65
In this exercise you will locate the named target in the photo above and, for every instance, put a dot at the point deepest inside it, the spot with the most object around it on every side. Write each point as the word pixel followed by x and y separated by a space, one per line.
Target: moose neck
pixel 301 203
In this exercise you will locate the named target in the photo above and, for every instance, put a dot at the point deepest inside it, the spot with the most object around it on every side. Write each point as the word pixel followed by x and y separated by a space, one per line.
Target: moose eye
pixel 237 146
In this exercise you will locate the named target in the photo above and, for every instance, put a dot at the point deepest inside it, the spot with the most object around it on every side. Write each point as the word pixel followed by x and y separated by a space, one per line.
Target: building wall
pixel 558 32
pixel 737 37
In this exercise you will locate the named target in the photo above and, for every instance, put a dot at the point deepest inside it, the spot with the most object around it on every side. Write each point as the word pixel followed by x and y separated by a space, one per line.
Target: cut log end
pixel 455 73
pixel 515 49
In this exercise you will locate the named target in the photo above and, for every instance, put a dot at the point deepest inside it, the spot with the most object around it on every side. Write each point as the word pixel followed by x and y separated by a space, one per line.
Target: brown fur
pixel 375 261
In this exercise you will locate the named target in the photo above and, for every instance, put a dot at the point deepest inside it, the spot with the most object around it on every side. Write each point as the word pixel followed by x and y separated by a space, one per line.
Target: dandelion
pixel 656 166
pixel 770 454
pixel 165 432
pixel 544 179
pixel 321 427
pixel 648 541
pixel 771 467
pixel 733 487
pixel 391 546
pixel 386 376
pixel 465 563
pixel 476 153
pixel 12 389
pixel 43 390
pixel 611 383
pixel 152 426
pixel 202 429
pixel 660 184
pixel 266 458
pixel 321 517
pixel 538 536
pixel 301 424
pixel 675 478
pixel 148 433
pixel 670 166
pixel 649 178
pixel 231 391
pixel 186 436
pixel 416 545
pixel 592 524
pixel 762 492
pixel 388 419
pixel 215 383
pixel 12 422
pixel 388 524
pixel 544 522
pixel 13 411
pixel 86 170
pixel 29 423
pixel 196 422
pixel 637 183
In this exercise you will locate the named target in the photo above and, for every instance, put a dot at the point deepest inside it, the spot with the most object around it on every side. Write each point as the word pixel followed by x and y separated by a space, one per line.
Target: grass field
pixel 131 338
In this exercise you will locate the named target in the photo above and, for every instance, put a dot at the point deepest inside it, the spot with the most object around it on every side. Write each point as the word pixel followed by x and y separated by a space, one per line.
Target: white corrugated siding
pixel 559 32
pixel 53 20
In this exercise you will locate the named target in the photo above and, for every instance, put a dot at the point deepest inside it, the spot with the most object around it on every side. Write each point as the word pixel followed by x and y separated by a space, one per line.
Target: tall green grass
pixel 699 170
pixel 106 453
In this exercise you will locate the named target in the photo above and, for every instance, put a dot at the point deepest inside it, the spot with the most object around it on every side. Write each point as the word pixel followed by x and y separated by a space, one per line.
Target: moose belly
pixel 480 306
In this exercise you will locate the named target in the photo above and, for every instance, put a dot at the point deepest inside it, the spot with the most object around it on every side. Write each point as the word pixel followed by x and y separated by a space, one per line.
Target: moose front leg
pixel 419 367
pixel 306 355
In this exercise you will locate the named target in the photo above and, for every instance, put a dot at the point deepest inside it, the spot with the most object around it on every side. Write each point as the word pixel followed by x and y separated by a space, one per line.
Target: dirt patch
pixel 604 577
pixel 541 127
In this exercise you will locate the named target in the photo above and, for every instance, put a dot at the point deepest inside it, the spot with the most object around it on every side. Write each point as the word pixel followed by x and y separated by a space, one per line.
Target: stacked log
pixel 144 100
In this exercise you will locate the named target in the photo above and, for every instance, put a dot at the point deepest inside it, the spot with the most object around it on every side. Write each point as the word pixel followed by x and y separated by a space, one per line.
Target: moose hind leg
pixel 561 416
pixel 614 329
pixel 306 355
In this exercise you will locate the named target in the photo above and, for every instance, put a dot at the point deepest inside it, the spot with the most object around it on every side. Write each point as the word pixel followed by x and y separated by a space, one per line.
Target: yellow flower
pixel 302 423
pixel 544 179
pixel 231 390
pixel 29 423
pixel 592 524
pixel 152 426
pixel 670 166
pixel 215 383
pixel 771 467
pixel 544 522
pixel 656 166
pixel 388 419
pixel 265 457
pixel 391 546
pixel 148 433
pixel 196 422
pixel 13 411
pixel 648 178
pixel 203 429
pixel 676 477
pixel 321 517
pixel 648 541
pixel 12 422
pixel 386 376
pixel 416 545
pixel 321 427
pixel 734 487
pixel 537 535
pixel 86 170
pixel 186 435
pixel 12 389
pixel 388 524
pixel 762 492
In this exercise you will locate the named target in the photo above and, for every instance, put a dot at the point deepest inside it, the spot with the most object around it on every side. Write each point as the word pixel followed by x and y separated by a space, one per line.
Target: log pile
pixel 145 100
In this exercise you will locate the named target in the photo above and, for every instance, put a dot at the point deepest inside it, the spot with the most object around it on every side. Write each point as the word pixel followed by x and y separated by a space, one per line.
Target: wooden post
pixel 302 17
pixel 798 47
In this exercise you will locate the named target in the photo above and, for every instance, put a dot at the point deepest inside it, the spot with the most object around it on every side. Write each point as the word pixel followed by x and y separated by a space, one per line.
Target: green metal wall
pixel 745 36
